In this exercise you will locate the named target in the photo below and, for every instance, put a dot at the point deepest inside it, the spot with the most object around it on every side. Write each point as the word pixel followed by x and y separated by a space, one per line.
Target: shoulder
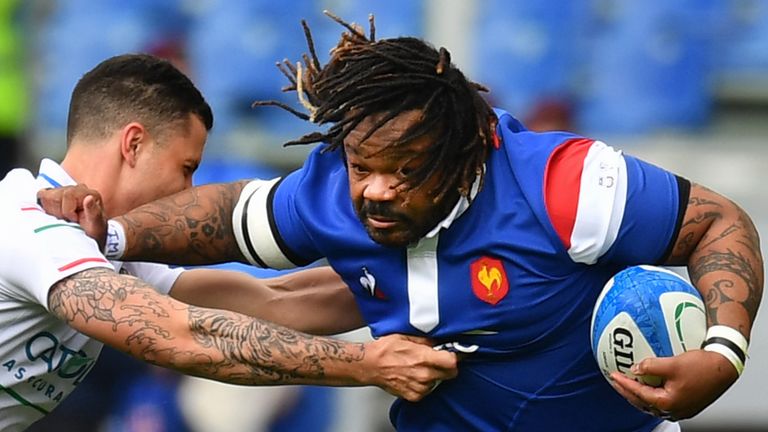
pixel 528 152
pixel 18 200
pixel 18 186
pixel 320 185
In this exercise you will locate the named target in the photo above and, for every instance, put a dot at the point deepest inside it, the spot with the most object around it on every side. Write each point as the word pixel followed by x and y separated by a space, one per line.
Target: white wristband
pixel 728 342
pixel 114 248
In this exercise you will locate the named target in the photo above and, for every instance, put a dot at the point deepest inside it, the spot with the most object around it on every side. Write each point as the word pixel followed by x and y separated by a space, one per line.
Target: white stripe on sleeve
pixel 600 209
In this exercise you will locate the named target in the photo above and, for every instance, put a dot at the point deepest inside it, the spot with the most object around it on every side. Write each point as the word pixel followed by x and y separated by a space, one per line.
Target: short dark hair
pixel 133 87
pixel 366 77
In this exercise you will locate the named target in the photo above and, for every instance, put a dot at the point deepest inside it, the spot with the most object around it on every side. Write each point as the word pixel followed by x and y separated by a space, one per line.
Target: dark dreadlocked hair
pixel 366 77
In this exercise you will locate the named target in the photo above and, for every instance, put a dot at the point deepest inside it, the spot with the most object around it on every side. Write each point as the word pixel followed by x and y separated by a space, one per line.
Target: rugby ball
pixel 645 311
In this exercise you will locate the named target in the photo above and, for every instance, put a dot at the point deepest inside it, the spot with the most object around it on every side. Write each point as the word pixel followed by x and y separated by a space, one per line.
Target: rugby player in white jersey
pixel 136 132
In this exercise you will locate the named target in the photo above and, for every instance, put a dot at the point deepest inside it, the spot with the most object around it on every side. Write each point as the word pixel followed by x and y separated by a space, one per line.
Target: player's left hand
pixel 692 381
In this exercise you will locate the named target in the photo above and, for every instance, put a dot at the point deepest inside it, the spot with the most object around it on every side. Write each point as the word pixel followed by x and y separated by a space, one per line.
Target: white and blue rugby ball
pixel 645 311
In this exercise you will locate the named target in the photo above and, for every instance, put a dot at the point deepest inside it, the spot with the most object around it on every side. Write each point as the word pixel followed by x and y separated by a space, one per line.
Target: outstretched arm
pixel 130 316
pixel 720 245
pixel 195 225
pixel 314 300
pixel 191 227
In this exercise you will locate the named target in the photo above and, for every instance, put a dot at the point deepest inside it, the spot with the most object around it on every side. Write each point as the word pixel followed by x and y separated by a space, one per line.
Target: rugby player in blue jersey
pixel 449 219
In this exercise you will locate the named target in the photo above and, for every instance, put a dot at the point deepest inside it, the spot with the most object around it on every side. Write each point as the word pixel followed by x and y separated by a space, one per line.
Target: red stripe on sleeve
pixel 82 261
pixel 562 180
pixel 31 209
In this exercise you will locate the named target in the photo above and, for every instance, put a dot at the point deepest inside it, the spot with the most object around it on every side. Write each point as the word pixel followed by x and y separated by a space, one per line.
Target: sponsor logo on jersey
pixel 489 280
pixel 368 282
pixel 69 364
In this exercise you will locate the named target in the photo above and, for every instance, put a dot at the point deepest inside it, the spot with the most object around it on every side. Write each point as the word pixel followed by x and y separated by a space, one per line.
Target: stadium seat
pixel 393 18
pixel 78 34
pixel 526 51
pixel 742 58
pixel 648 67
pixel 233 47
pixel 227 170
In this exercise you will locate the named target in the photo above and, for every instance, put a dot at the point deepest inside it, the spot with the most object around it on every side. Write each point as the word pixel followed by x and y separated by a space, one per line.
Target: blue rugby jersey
pixel 511 278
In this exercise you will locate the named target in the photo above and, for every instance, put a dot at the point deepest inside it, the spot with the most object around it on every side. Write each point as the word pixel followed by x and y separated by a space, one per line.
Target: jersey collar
pixel 461 206
pixel 51 174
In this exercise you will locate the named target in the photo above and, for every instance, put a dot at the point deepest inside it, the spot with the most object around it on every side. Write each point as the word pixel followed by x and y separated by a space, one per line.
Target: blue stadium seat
pixel 526 51
pixel 393 18
pixel 227 170
pixel 78 34
pixel 744 37
pixel 233 46
pixel 649 67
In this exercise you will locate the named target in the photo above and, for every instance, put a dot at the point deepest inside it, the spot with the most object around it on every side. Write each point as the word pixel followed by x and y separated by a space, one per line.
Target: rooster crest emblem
pixel 489 280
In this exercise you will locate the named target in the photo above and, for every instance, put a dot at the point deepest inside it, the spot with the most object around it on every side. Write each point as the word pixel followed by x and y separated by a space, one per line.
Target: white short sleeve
pixel 39 250
pixel 160 276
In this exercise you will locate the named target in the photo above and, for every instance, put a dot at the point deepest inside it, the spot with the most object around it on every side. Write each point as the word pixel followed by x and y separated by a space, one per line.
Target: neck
pixel 93 166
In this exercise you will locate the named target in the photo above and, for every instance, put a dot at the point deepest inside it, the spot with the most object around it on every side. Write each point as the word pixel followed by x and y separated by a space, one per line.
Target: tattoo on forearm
pixel 252 343
pixel 217 344
pixel 732 271
pixel 191 227
pixel 723 256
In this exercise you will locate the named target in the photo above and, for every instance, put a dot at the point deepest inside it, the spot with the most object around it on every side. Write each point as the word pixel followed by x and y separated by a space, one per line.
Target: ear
pixel 134 138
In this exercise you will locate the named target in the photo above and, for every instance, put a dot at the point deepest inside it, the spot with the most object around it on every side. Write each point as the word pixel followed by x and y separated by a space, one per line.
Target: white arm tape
pixel 114 248
pixel 728 342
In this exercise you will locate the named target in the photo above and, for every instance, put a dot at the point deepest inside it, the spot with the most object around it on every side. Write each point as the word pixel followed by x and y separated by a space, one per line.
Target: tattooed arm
pixel 719 244
pixel 195 226
pixel 130 316
pixel 191 227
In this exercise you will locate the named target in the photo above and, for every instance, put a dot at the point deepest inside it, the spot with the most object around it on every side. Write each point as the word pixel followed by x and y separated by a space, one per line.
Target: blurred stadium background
pixel 682 83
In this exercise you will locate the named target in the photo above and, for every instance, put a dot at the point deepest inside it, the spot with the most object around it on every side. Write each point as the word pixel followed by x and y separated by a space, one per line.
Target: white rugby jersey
pixel 42 359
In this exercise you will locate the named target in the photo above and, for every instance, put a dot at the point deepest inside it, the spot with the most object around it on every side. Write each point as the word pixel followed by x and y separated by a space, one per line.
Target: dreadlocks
pixel 366 77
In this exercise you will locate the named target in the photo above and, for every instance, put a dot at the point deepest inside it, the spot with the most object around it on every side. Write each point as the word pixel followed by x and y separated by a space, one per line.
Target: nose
pixel 380 188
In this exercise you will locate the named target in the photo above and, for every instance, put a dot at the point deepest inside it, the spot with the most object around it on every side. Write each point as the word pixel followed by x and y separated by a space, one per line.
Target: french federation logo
pixel 489 280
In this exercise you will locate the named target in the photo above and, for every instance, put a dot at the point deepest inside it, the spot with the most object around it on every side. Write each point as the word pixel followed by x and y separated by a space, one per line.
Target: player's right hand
pixel 693 380
pixel 78 204
pixel 407 366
